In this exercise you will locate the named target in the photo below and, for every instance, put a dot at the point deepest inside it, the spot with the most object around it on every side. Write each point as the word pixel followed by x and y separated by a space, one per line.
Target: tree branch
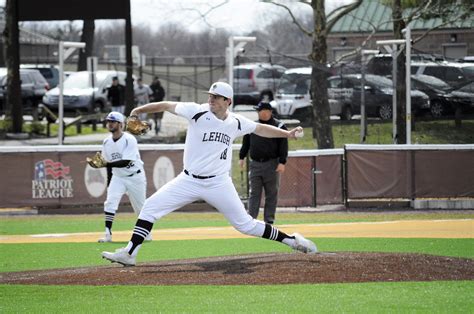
pixel 417 12
pixel 356 51
pixel 340 13
pixel 203 15
pixel 423 35
pixel 293 17
pixel 427 7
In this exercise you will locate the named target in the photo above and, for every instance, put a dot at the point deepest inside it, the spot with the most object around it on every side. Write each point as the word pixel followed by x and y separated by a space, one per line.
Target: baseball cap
pixel 114 116
pixel 221 89
pixel 263 105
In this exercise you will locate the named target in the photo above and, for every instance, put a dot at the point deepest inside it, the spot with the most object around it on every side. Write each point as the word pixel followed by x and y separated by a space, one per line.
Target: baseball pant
pixel 134 187
pixel 263 177
pixel 218 192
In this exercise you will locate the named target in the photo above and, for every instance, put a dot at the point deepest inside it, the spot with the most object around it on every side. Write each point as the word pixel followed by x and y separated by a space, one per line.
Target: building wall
pixel 435 42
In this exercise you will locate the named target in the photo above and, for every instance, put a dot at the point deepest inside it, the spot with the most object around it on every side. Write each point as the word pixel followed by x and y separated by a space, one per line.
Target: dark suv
pixel 378 94
pixel 443 98
pixel 453 73
pixel 33 88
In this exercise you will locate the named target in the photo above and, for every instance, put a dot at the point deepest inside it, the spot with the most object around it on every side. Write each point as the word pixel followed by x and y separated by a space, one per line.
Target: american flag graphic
pixel 50 168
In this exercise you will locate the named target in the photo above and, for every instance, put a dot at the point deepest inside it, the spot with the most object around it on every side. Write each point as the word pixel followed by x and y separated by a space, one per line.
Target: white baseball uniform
pixel 131 179
pixel 206 173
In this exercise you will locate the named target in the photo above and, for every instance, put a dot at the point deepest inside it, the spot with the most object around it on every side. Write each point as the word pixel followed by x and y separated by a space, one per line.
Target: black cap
pixel 263 105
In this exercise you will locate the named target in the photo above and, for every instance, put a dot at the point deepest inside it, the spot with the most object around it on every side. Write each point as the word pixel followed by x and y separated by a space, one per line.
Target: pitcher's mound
pixel 258 269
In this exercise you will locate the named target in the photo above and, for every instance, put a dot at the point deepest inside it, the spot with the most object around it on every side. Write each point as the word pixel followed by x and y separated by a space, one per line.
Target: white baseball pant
pixel 218 192
pixel 134 187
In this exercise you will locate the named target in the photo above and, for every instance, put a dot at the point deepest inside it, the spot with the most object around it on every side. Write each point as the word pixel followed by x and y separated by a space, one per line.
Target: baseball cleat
pixel 304 245
pixel 120 256
pixel 107 238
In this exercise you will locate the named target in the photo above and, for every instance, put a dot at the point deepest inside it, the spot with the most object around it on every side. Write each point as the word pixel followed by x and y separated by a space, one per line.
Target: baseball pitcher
pixel 207 163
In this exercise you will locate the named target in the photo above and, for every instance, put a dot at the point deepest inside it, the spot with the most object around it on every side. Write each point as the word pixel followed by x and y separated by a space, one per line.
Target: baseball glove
pixel 137 127
pixel 97 161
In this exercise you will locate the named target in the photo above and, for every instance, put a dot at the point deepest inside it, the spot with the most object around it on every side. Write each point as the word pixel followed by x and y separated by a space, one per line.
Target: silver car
pixel 79 95
pixel 254 82
pixel 293 100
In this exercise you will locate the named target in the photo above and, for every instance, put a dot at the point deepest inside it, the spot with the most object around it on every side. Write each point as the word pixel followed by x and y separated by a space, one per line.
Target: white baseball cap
pixel 115 116
pixel 221 89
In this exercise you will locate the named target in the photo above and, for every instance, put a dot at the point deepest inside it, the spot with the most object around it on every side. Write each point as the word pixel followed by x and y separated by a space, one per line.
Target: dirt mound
pixel 257 269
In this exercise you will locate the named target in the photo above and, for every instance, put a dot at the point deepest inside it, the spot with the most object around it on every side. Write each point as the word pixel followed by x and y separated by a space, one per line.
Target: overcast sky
pixel 236 16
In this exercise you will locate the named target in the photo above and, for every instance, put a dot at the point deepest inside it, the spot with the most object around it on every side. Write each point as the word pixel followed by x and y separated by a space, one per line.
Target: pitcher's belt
pixel 196 176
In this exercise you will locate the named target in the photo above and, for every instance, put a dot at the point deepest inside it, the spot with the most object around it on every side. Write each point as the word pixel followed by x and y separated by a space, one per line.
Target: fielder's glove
pixel 137 127
pixel 97 161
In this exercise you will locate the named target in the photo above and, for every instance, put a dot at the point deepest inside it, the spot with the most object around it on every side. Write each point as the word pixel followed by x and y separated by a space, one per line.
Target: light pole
pixel 394 51
pixel 63 55
pixel 363 114
pixel 234 50
pixel 407 32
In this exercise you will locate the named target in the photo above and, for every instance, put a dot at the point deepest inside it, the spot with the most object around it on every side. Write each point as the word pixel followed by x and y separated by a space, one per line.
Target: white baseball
pixel 299 134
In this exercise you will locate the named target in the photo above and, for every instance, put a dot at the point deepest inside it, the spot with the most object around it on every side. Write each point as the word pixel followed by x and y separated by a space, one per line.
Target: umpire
pixel 267 161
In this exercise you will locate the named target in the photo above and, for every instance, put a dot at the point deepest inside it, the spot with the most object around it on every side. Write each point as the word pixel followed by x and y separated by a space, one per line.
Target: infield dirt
pixel 269 268
pixel 260 269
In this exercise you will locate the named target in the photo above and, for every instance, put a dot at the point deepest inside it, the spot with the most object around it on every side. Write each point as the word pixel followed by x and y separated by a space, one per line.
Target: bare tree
pixel 449 11
pixel 419 9
pixel 321 123
pixel 293 41
pixel 10 38
pixel 87 36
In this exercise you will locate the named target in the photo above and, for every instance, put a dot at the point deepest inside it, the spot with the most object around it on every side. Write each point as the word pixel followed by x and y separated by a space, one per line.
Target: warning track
pixel 455 228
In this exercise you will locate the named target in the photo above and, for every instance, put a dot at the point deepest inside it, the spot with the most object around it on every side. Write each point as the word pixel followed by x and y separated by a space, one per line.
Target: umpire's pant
pixel 263 177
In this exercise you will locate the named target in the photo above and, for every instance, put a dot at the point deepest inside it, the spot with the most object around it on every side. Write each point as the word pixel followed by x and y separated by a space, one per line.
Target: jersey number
pixel 224 154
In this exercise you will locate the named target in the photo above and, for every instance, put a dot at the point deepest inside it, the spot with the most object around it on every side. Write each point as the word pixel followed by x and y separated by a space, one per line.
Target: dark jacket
pixel 264 148
pixel 116 95
pixel 158 91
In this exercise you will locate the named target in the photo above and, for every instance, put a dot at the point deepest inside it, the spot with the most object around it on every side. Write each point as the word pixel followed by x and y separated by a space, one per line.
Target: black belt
pixel 197 177
pixel 262 159
pixel 130 175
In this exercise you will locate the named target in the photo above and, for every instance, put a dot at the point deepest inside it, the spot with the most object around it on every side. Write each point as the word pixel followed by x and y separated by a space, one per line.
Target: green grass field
pixel 439 297
pixel 424 132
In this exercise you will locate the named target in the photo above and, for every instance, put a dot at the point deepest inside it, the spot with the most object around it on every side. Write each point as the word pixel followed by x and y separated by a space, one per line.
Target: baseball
pixel 299 134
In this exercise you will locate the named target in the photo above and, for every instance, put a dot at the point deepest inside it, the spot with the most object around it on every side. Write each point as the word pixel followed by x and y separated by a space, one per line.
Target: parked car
pixel 378 95
pixel 49 72
pixel 33 87
pixel 79 95
pixel 453 73
pixel 256 81
pixel 468 59
pixel 293 100
pixel 442 98
pixel 381 64
pixel 465 94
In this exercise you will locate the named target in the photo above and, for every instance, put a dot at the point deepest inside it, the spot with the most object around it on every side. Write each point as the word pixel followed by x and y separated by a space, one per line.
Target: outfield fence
pixel 58 177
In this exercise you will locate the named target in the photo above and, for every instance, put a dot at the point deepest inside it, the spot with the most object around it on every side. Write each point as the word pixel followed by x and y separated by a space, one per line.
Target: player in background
pixel 206 175
pixel 142 93
pixel 125 173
